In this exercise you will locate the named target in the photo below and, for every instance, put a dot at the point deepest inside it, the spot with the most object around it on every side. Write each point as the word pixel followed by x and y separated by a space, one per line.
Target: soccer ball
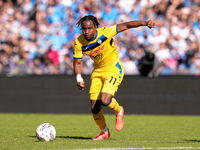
pixel 46 132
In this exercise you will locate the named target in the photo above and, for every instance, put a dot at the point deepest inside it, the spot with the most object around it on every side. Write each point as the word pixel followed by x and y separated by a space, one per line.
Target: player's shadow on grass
pixel 70 137
pixel 74 137
pixel 191 141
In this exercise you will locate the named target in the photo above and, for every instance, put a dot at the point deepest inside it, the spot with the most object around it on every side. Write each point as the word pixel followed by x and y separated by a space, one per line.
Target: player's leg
pixel 112 79
pixel 97 112
pixel 111 103
pixel 99 119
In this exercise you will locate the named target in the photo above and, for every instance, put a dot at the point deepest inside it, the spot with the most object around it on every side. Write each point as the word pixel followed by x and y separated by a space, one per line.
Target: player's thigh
pixel 95 86
pixel 112 80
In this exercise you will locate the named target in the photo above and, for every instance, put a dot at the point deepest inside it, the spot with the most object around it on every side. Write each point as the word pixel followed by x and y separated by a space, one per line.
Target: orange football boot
pixel 102 136
pixel 120 120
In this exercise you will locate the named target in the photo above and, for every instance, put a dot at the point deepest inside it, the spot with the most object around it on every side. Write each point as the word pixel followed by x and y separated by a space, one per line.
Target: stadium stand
pixel 37 36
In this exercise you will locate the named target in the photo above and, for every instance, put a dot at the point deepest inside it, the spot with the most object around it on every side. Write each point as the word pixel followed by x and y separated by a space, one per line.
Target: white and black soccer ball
pixel 46 132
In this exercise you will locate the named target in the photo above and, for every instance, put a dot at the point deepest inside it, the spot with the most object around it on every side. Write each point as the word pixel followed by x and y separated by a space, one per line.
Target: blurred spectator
pixel 163 55
pixel 66 66
pixel 195 62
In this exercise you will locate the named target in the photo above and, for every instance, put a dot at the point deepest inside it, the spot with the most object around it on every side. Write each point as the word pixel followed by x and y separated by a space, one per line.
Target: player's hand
pixel 150 24
pixel 81 85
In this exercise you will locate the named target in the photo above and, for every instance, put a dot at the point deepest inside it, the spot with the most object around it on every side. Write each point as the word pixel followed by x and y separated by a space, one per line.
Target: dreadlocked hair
pixel 87 18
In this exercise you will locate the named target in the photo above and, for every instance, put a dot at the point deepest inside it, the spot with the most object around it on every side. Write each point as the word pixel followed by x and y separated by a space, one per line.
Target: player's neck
pixel 94 36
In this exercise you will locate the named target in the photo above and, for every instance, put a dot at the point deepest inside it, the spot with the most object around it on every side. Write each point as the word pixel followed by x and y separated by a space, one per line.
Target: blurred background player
pixel 108 71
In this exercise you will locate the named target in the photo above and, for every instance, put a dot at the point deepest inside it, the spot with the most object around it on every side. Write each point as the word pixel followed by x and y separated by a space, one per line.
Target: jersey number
pixel 113 80
pixel 99 56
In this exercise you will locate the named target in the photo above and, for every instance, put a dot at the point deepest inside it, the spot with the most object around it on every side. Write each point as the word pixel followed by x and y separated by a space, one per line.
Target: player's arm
pixel 77 72
pixel 134 24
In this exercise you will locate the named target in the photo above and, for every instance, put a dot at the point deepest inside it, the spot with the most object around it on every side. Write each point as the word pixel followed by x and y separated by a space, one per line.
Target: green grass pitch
pixel 76 131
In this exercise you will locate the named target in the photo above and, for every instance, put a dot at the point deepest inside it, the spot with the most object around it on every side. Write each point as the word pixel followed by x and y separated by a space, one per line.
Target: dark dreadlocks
pixel 87 18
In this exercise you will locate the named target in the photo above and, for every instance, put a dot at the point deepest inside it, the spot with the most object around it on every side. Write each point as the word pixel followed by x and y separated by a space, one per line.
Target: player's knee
pixel 106 98
pixel 105 102
pixel 95 106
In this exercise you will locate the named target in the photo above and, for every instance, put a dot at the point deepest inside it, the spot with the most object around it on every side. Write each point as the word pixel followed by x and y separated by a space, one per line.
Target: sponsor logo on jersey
pixel 94 52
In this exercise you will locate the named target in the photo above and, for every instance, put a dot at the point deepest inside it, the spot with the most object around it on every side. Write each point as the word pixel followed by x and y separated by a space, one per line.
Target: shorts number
pixel 115 79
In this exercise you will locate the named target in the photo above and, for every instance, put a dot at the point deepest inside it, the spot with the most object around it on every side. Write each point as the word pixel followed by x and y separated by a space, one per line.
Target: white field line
pixel 139 148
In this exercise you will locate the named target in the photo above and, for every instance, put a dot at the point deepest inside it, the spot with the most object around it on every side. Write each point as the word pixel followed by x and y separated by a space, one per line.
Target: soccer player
pixel 108 71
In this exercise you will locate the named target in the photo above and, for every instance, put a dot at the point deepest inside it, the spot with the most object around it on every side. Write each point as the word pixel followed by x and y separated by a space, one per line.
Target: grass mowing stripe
pixel 143 148
pixel 76 131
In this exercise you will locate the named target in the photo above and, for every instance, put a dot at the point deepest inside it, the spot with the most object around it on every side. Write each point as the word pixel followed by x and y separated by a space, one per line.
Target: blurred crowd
pixel 37 36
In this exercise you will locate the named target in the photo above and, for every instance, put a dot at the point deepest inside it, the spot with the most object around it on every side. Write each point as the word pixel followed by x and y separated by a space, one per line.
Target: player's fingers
pixel 151 24
pixel 80 85
pixel 81 88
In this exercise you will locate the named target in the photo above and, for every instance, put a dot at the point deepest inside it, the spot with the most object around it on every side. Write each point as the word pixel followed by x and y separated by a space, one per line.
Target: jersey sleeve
pixel 78 54
pixel 110 31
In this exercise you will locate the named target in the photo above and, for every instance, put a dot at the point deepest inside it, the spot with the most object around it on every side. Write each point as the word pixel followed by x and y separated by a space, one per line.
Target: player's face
pixel 89 30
